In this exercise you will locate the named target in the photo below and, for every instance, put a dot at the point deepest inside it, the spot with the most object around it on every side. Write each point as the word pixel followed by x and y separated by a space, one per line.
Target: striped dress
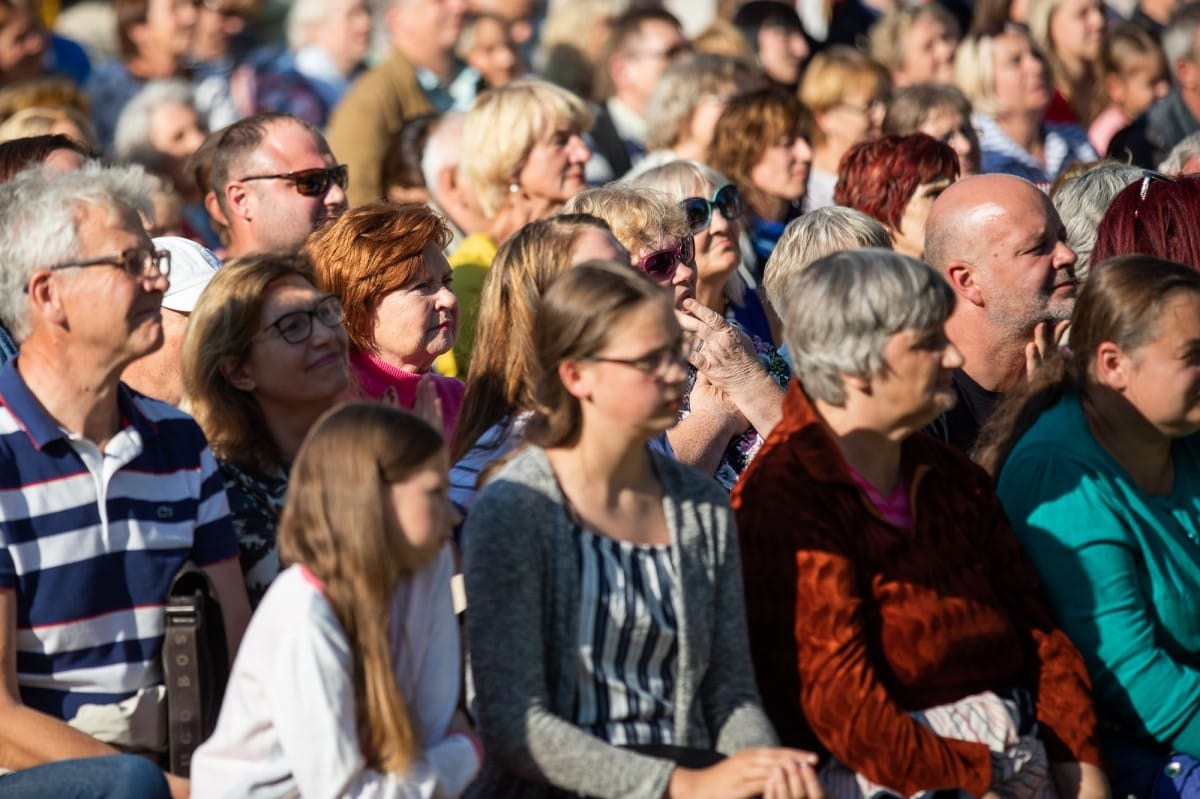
pixel 628 640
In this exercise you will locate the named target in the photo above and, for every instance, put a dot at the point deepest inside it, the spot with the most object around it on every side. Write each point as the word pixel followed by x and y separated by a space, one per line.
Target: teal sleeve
pixel 1085 543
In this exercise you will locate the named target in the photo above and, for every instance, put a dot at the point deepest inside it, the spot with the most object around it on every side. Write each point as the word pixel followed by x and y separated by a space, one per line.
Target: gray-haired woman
pixel 881 574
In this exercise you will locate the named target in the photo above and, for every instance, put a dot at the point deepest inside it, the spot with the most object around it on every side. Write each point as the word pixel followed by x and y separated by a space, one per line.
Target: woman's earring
pixel 514 187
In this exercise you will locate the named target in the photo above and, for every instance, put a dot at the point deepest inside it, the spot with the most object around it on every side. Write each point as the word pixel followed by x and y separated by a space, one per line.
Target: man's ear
pixel 45 301
pixel 961 277
pixel 239 201
pixel 235 371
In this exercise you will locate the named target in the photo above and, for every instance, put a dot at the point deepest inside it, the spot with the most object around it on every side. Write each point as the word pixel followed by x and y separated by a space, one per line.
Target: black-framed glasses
pixel 654 364
pixel 295 327
pixel 661 264
pixel 138 262
pixel 310 182
pixel 727 200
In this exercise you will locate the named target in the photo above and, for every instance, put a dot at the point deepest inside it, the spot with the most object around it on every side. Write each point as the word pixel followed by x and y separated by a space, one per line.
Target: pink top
pixel 1107 124
pixel 894 509
pixel 378 380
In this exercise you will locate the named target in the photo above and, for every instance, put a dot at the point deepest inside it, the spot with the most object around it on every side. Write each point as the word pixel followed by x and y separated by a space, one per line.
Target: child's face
pixel 418 509
pixel 1143 81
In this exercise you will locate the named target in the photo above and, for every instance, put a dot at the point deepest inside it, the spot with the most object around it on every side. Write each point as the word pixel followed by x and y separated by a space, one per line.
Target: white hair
pixel 131 137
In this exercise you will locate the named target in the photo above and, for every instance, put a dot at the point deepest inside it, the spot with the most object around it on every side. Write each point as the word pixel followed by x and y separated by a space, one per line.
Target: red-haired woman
pixel 1154 216
pixel 385 263
pixel 895 180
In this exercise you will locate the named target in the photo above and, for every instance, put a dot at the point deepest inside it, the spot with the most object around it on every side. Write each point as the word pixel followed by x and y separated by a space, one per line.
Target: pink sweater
pixel 378 380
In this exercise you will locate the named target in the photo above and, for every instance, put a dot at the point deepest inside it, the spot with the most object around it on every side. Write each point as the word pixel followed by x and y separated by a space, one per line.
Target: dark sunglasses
pixel 727 200
pixel 311 182
pixel 661 264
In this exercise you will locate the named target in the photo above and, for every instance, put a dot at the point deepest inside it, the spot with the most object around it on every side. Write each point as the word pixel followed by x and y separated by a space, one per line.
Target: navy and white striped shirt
pixel 628 641
pixel 91 540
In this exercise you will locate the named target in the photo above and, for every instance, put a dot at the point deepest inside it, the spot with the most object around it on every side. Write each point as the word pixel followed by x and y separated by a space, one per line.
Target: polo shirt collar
pixel 41 427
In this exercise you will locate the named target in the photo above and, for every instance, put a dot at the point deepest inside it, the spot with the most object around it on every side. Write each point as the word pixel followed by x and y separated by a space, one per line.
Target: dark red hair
pixel 1164 224
pixel 879 177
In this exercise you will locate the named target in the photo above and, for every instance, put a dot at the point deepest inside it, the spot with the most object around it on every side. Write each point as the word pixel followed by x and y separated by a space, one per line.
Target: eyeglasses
pixel 655 363
pixel 872 108
pixel 297 326
pixel 727 200
pixel 311 182
pixel 137 262
pixel 661 264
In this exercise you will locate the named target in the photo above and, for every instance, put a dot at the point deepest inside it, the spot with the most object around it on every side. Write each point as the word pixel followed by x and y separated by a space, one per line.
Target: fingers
pixel 1060 331
pixel 703 313
pixel 1033 359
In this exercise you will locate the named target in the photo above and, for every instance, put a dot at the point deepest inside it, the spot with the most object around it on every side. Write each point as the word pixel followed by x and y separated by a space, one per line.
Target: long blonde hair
pixel 334 524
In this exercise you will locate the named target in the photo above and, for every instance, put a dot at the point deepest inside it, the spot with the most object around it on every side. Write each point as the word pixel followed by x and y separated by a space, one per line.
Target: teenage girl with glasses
pixel 347 682
pixel 607 634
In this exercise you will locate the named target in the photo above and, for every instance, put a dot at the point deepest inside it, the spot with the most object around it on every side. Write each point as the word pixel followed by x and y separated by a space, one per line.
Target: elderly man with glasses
pixel 104 494
pixel 275 182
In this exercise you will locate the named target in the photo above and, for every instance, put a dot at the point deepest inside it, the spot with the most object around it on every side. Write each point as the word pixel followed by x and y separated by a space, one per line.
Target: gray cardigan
pixel 522 577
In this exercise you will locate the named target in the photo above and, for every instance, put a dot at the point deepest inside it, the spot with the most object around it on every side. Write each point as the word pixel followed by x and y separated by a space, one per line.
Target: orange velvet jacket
pixel 855 622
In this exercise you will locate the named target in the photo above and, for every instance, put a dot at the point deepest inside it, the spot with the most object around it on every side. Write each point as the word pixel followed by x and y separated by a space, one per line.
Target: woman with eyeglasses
pixel 606 631
pixel 385 263
pixel 893 618
pixel 735 389
pixel 714 211
pixel 265 354
pixel 894 180
pixel 1097 464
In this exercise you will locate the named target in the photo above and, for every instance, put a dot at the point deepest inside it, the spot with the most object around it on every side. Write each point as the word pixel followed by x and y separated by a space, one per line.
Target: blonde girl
pixel 347 681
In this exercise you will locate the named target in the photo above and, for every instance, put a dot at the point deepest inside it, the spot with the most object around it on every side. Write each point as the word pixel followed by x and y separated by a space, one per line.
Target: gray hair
pixel 1187 149
pixel 131 137
pixel 39 224
pixel 681 88
pixel 820 232
pixel 1179 37
pixel 1082 199
pixel 443 147
pixel 843 308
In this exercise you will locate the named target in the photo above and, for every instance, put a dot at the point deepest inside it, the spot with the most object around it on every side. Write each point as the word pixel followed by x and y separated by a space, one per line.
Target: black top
pixel 959 426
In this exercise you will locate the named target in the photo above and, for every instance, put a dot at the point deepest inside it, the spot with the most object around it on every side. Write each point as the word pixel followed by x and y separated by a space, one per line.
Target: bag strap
pixel 181 666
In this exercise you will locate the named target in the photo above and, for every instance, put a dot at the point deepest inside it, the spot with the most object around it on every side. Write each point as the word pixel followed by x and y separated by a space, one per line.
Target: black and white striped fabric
pixel 628 641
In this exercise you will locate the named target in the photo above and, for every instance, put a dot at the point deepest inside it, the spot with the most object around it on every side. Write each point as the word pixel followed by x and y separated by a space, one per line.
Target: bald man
pixel 1002 247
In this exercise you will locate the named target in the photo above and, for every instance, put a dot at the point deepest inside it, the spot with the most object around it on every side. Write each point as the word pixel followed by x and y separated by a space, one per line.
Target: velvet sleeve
pixel 839 690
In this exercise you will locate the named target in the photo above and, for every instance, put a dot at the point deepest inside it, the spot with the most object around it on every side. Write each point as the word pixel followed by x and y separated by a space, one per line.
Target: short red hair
pixel 1162 224
pixel 879 177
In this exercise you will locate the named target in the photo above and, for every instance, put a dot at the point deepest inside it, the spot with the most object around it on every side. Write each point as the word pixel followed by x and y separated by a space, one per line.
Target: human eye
pixel 293 325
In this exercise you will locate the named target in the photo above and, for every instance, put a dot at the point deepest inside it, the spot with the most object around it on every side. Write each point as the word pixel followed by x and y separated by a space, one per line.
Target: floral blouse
pixel 255 503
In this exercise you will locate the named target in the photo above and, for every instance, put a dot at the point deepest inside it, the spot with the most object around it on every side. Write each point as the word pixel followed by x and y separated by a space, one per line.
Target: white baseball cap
pixel 192 266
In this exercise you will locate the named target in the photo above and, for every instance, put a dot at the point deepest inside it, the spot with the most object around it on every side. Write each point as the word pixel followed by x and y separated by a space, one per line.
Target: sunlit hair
pixel 1081 200
pixel 837 73
pixel 975 66
pixel 577 315
pixel 369 252
pixel 39 223
pixel 640 218
pixel 1122 302
pixel 131 137
pixel 46 120
pixel 820 232
pixel 750 124
pixel 1187 149
pixel 1162 224
pixel 686 83
pixel 841 310
pixel 525 111
pixel 1179 37
pixel 220 332
pixel 880 177
pixel 501 382
pixel 886 36
pixel 334 525
pixel 19 154
pixel 1038 20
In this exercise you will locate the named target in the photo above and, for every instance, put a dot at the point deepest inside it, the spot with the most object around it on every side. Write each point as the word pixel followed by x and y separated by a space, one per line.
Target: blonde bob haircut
pixel 504 125
pixel 975 66
pixel 220 330
pixel 838 73
pixel 334 524
pixel 640 218
pixel 886 36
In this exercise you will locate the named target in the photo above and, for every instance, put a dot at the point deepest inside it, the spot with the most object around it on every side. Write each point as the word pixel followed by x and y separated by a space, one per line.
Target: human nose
pixel 1064 255
pixel 447 299
pixel 801 150
pixel 335 196
pixel 580 152
pixel 685 274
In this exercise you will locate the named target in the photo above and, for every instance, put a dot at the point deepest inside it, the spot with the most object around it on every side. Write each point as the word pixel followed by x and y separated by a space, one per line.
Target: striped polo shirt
pixel 91 540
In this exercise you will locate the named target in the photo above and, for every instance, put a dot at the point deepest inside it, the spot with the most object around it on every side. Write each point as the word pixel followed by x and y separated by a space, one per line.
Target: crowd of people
pixel 602 398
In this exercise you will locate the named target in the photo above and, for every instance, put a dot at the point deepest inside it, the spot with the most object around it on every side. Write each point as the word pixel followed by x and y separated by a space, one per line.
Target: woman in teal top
pixel 1099 472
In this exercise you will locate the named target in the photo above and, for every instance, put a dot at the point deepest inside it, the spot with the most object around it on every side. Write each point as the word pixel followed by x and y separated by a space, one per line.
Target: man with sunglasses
pixel 104 493
pixel 276 181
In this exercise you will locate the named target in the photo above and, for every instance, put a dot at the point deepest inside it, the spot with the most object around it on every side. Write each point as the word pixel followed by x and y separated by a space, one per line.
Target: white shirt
pixel 287 725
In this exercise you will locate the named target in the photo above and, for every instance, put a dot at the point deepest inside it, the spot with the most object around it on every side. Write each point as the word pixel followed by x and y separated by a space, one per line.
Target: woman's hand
pixel 427 404
pixel 1044 344
pixel 773 773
